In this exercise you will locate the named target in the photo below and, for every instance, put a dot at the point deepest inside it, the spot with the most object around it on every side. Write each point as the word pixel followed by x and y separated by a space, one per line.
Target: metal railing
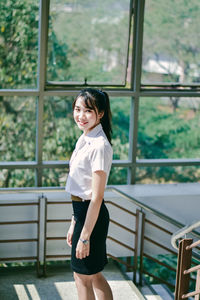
pixel 127 263
pixel 150 232
pixel 146 214
pixel 31 241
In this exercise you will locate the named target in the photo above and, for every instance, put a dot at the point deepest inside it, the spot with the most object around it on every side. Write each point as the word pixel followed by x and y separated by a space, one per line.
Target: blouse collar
pixel 93 133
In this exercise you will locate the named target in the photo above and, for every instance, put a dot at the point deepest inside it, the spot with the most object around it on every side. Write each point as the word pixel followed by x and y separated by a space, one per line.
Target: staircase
pixel 156 292
pixel 153 291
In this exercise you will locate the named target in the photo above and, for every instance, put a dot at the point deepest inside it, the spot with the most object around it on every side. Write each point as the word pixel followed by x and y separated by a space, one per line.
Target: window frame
pixel 136 91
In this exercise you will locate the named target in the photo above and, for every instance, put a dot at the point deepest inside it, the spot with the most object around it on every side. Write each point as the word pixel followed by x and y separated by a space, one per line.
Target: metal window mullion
pixel 133 128
pixel 23 93
pixel 73 92
pixel 137 45
pixel 39 141
pixel 169 93
pixel 135 86
pixel 173 162
pixel 42 61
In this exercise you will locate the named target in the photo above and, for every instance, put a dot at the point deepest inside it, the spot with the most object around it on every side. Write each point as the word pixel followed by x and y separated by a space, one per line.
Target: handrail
pixel 146 207
pixel 32 189
pixel 180 233
pixel 183 229
pixel 111 188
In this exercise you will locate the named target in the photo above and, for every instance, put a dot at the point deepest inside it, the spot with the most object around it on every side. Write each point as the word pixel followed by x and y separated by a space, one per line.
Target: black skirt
pixel 97 258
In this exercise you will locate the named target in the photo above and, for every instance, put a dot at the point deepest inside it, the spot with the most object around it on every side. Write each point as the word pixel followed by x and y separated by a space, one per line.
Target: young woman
pixel 89 170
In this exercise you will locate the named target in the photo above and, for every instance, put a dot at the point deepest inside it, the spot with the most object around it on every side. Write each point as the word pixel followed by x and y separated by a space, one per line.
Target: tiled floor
pixel 23 284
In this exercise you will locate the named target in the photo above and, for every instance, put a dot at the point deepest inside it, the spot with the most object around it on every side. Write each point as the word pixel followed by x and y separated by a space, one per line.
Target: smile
pixel 82 123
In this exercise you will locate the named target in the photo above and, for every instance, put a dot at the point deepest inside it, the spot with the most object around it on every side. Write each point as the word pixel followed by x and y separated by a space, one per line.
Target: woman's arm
pixel 98 187
pixel 70 232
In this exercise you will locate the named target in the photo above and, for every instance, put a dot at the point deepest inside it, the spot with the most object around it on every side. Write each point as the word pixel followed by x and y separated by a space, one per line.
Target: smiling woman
pixel 89 170
pixel 86 118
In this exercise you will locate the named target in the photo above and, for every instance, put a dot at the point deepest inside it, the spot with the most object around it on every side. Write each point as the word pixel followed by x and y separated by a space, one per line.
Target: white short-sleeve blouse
pixel 93 152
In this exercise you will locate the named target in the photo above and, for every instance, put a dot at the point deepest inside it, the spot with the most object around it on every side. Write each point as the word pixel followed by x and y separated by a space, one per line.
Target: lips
pixel 82 123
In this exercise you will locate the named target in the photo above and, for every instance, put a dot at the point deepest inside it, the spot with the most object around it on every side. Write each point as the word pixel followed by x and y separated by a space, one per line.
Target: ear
pixel 101 114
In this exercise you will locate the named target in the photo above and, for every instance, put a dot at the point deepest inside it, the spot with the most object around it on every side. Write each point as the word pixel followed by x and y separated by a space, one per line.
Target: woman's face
pixel 85 118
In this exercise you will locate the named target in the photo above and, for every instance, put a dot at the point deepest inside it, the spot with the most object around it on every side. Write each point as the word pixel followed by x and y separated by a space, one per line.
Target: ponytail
pixel 107 117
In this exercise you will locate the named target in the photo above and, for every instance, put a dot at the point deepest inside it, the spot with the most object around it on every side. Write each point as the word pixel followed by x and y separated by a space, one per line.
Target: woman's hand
pixel 82 250
pixel 70 232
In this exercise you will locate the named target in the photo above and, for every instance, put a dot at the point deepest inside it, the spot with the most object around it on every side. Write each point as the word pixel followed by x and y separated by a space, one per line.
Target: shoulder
pixel 101 142
pixel 101 149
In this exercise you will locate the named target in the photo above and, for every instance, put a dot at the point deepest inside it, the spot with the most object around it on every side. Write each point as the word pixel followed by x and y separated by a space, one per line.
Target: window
pixel 18 128
pixel 18 178
pixel 171 51
pixel 89 42
pixel 169 128
pixel 171 174
pixel 18 43
pixel 60 134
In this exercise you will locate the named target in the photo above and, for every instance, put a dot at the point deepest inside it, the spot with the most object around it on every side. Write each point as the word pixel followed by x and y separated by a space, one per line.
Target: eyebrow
pixel 85 107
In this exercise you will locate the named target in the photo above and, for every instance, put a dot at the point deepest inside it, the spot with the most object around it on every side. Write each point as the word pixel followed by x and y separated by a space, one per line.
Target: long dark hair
pixel 99 101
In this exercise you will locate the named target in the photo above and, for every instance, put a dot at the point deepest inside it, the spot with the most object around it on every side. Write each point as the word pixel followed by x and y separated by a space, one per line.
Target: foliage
pixel 163 133
pixel 18 43
pixel 162 270
pixel 97 49
pixel 171 33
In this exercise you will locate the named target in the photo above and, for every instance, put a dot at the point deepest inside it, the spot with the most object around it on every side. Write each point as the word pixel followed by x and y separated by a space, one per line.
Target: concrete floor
pixel 23 284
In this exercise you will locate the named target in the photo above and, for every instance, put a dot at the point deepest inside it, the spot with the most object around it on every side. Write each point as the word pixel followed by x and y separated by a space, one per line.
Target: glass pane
pixel 169 128
pixel 88 41
pixel 17 178
pixel 61 133
pixel 148 175
pixel 120 108
pixel 18 128
pixel 54 177
pixel 60 130
pixel 118 176
pixel 58 177
pixel 18 43
pixel 171 48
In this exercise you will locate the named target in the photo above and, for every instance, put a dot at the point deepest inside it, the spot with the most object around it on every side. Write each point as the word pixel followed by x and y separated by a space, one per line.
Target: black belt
pixel 76 198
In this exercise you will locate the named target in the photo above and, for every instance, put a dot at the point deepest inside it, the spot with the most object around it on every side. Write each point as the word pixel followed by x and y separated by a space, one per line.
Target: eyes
pixel 77 109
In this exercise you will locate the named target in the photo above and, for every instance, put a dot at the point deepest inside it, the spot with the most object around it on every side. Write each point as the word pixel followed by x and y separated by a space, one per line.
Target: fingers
pixel 69 243
pixel 81 254
pixel 69 240
pixel 82 250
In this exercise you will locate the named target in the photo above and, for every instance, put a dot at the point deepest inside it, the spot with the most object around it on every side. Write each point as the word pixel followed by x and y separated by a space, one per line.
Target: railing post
pixel 136 244
pixel 42 232
pixel 184 263
pixel 141 246
pixel 38 238
pixel 197 288
pixel 45 237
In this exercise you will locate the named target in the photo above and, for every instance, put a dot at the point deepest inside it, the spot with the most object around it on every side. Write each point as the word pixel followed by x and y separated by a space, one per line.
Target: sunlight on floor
pixel 153 297
pixel 66 291
pixel 26 292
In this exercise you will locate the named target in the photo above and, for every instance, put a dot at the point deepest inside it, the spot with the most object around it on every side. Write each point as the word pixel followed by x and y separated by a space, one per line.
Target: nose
pixel 81 115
